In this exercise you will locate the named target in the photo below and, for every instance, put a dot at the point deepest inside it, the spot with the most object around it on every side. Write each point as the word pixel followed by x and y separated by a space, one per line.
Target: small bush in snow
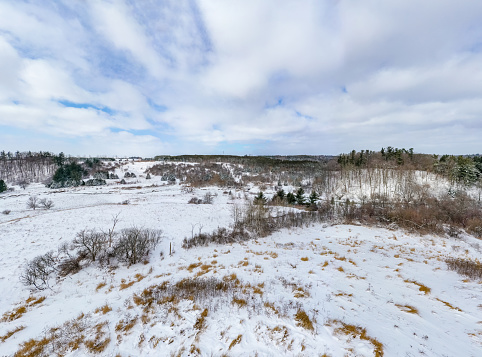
pixel 38 271
pixel 134 244
pixel 33 202
pixel 47 204
pixel 7 211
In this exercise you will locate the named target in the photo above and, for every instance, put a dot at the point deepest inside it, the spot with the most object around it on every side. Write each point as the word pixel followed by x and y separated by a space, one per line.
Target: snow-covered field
pixel 319 291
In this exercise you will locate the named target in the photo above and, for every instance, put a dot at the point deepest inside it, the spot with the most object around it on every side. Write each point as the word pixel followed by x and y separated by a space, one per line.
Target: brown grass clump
pixel 100 286
pixel 299 292
pixel 104 309
pixel 303 320
pixel 236 341
pixel 14 314
pixel 11 333
pixel 449 305
pixel 304 259
pixel 408 308
pixel 466 267
pixel 125 325
pixel 201 321
pixel 193 266
pixel 239 302
pixel 422 287
pixel 19 311
pixel 32 347
pixel 124 285
pixel 270 307
pixel 356 331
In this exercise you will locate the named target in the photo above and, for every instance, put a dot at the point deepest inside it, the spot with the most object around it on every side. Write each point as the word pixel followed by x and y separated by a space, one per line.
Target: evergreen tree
pixel 280 194
pixel 314 197
pixel 290 197
pixel 300 196
pixel 260 199
pixel 3 186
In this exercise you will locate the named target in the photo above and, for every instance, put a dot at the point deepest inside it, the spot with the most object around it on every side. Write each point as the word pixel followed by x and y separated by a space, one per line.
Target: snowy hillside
pixel 322 290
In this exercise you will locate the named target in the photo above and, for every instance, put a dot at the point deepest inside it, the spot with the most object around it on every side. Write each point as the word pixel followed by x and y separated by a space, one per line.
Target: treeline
pixel 26 166
pixel 460 169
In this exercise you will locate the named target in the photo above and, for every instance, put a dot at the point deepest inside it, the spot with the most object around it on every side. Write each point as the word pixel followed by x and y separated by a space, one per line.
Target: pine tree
pixel 314 197
pixel 300 196
pixel 3 186
pixel 260 199
pixel 290 197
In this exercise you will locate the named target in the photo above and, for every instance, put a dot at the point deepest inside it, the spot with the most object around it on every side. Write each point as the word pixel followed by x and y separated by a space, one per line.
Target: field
pixel 323 289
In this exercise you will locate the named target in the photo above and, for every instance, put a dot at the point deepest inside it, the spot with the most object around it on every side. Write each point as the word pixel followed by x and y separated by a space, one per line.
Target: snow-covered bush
pixel 95 182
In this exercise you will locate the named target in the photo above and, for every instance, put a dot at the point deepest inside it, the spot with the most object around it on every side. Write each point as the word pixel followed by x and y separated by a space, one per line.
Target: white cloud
pixel 277 76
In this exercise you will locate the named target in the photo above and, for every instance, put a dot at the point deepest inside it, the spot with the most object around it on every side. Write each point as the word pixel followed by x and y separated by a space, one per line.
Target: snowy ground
pixel 323 290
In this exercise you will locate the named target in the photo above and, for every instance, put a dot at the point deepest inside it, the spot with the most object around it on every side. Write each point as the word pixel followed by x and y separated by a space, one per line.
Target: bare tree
pixel 90 243
pixel 33 202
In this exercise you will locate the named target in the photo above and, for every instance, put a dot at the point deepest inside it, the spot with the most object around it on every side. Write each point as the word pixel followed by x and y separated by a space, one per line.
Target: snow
pixel 359 276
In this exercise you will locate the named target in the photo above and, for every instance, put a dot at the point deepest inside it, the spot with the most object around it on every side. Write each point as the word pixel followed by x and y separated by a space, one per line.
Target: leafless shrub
pixel 69 266
pixel 195 200
pixel 134 244
pixel 7 211
pixel 208 198
pixel 38 271
pixel 47 204
pixel 469 268
pixel 90 243
pixel 33 202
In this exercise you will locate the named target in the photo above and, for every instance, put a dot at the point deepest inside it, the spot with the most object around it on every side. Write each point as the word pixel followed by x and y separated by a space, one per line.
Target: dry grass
pixel 201 321
pixel 22 309
pixel 408 308
pixel 466 267
pixel 11 333
pixel 100 286
pixel 303 320
pixel 236 341
pixel 449 305
pixel 239 302
pixel 66 338
pixel 304 259
pixel 126 325
pixel 422 287
pixel 104 309
pixel 353 331
pixel 124 285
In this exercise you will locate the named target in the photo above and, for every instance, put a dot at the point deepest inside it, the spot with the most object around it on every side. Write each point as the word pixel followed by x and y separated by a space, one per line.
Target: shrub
pixel 38 271
pixel 135 244
pixel 33 202
pixel 47 204
pixel 7 211
pixel 90 243
pixel 469 268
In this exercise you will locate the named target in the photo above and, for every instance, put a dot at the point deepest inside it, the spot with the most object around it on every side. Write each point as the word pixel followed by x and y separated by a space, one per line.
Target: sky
pixel 243 77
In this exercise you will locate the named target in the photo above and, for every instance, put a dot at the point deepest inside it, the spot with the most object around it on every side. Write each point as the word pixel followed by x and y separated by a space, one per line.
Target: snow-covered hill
pixel 325 290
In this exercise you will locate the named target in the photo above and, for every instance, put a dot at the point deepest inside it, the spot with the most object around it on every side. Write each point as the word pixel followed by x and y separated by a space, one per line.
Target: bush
pixel 135 244
pixel 47 204
pixel 7 211
pixel 469 268
pixel 37 271
pixel 33 202
pixel 90 243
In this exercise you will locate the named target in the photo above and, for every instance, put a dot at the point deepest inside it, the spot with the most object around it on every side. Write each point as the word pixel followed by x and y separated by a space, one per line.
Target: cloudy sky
pixel 147 77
